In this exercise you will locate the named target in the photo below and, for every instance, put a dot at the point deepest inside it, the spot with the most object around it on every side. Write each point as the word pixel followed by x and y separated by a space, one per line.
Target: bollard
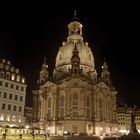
pixel 4 136
pixel 20 136
pixel 33 136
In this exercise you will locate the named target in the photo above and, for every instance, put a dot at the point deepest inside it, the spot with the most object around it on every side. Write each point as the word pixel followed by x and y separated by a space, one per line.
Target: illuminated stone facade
pixel 12 96
pixel 75 100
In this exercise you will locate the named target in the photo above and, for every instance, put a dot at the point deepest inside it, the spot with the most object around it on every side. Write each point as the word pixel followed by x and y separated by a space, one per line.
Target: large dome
pixel 63 58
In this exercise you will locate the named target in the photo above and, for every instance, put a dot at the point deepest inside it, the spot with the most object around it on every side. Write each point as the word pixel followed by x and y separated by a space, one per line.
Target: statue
pixel 133 129
pixel 133 117
pixel 43 73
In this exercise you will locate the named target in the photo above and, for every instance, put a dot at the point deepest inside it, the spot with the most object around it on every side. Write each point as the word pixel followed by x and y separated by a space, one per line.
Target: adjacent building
pixel 12 96
pixel 124 118
pixel 76 99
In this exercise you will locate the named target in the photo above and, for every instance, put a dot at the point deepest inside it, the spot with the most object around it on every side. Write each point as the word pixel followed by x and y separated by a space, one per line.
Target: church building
pixel 76 100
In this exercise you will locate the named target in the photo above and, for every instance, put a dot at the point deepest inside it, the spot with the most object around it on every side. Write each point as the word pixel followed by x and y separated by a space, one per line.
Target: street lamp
pixel 27 126
pixel 47 126
pixel 101 128
pixel 101 131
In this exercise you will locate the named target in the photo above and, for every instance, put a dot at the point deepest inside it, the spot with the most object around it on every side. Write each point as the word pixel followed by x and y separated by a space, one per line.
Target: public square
pixel 57 138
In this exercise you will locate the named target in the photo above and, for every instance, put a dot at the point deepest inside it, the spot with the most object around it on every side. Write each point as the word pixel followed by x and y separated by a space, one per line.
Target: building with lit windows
pixel 12 97
pixel 76 99
pixel 124 118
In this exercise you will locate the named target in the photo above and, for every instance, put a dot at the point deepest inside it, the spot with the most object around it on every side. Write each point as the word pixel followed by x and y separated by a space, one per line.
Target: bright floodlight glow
pixel 65 132
pixel 27 126
pixel 101 128
pixel 11 125
pixel 122 131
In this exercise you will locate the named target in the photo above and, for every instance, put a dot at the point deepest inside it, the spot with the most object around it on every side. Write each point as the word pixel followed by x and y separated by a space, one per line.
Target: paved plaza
pixel 57 138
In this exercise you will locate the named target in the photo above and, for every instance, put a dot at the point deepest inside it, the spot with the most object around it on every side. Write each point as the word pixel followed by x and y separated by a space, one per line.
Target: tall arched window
pixel 75 105
pixel 100 108
pixel 62 107
pixel 109 111
pixel 49 108
pixel 97 107
pixel 87 106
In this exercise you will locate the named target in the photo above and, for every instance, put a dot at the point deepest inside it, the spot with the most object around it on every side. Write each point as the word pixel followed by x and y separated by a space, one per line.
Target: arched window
pixel 75 105
pixel 87 101
pixel 100 108
pixel 49 102
pixel 109 111
pixel 62 107
pixel 75 99
pixel 49 108
pixel 100 103
pixel 87 106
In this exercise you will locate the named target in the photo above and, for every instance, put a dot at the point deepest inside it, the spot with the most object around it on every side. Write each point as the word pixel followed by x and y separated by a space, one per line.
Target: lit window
pixel 23 80
pixel 13 77
pixel 19 119
pixel 2 117
pixel 8 118
pixel 18 78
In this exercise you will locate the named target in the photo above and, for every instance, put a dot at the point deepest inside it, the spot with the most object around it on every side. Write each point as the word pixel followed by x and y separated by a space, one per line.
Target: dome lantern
pixel 75 28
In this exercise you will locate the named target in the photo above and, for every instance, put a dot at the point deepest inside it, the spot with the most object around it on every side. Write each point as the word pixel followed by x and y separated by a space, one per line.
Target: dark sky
pixel 30 32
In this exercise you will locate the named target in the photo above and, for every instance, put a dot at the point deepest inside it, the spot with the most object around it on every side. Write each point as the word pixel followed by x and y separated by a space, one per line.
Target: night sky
pixel 28 33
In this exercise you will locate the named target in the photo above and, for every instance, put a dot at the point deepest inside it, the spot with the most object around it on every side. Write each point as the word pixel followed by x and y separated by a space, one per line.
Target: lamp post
pixel 101 131
pixel 33 120
pixel 47 125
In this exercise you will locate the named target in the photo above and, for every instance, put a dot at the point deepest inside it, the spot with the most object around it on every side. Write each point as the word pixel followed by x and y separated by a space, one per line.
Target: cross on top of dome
pixel 75 27
pixel 75 15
